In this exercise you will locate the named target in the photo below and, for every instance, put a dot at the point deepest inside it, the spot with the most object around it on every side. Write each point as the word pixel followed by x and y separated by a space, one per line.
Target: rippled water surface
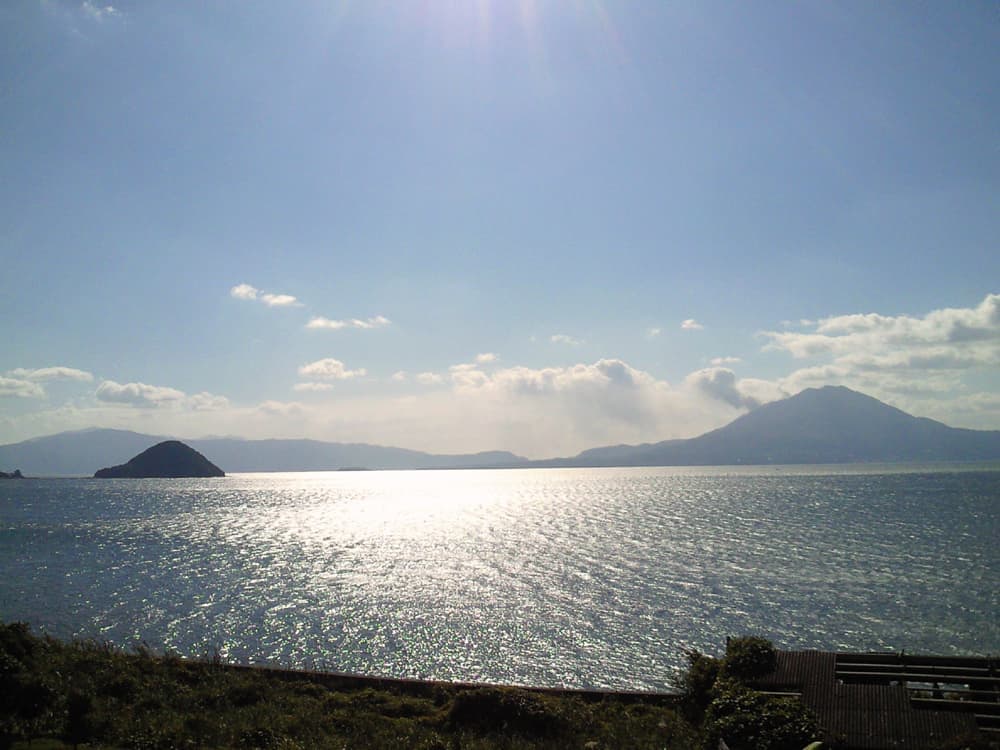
pixel 583 577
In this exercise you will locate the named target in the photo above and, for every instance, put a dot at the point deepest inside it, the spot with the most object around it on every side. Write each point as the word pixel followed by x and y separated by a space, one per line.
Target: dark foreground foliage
pixel 714 695
pixel 84 694
pixel 748 720
pixel 748 658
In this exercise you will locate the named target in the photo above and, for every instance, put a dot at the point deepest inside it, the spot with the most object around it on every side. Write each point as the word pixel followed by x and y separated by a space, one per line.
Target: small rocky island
pixel 15 475
pixel 169 459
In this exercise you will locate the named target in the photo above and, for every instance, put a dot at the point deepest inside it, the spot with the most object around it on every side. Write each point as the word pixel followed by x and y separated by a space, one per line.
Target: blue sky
pixel 504 211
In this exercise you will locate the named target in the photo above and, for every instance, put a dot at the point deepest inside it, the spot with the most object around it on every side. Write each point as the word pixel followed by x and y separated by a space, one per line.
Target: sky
pixel 464 225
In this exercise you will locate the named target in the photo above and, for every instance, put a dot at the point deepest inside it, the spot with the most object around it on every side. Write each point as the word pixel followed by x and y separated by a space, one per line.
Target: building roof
pixel 880 701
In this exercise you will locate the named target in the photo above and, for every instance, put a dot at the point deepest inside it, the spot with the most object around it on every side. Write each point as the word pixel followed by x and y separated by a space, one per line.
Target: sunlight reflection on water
pixel 585 577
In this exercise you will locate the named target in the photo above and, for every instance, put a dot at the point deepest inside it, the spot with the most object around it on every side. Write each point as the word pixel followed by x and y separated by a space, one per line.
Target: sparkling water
pixel 576 577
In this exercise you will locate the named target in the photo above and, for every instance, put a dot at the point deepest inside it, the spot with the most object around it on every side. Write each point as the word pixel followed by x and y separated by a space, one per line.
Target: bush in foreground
pixel 749 658
pixel 714 693
pixel 748 720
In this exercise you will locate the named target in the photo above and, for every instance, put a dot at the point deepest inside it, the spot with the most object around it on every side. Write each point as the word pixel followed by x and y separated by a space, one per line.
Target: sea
pixel 589 578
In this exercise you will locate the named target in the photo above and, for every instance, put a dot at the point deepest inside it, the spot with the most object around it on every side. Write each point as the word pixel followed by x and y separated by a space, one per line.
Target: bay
pixel 560 577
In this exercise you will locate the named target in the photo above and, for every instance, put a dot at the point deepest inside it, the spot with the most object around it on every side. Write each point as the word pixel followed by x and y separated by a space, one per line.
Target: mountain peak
pixel 832 424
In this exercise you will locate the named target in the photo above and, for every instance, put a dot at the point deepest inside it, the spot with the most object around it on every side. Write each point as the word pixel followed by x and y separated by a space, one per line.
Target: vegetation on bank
pixel 58 695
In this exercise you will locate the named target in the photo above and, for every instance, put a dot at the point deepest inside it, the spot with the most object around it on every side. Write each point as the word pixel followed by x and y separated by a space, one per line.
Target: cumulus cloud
pixel 652 333
pixel 486 358
pixel 939 346
pixel 279 300
pixel 399 377
pixel 691 325
pixel 138 394
pixel 602 373
pixel 720 383
pixel 312 387
pixel 145 396
pixel 379 321
pixel 970 334
pixel 329 369
pixel 429 378
pixel 20 388
pixel 720 361
pixel 252 293
pixel 51 373
pixel 562 338
pixel 919 363
pixel 244 291
pixel 561 410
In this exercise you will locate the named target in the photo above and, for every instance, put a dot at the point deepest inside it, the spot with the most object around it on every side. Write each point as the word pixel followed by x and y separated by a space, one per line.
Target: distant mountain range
pixel 84 451
pixel 818 425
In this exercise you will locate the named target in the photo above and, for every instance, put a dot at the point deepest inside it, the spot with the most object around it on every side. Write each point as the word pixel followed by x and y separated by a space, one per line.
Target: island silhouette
pixel 169 459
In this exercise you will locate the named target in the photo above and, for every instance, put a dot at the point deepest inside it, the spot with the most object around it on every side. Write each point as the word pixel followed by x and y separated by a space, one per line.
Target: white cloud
pixel 312 387
pixel 486 358
pixel 467 376
pixel 146 396
pixel 562 410
pixel 429 378
pixel 918 363
pixel 951 339
pixel 562 338
pixel 20 388
pixel 691 325
pixel 244 291
pixel 247 292
pixel 400 376
pixel 280 300
pixel 51 373
pixel 329 369
pixel 652 333
pixel 379 321
pixel 24 382
pixel 721 383
pixel 720 361
pixel 971 333
pixel 762 391
pixel 138 394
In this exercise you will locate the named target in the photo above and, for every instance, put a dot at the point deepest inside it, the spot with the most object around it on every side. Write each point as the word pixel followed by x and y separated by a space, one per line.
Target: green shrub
pixel 748 720
pixel 748 658
pixel 695 683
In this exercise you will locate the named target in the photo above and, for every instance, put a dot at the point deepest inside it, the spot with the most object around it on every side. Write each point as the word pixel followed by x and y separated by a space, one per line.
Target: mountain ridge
pixel 832 424
pixel 81 452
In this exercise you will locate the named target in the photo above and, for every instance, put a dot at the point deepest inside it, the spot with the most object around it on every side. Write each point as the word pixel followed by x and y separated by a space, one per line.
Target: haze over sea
pixel 578 577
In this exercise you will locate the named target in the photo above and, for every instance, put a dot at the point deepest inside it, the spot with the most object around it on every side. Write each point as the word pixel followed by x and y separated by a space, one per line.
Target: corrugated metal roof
pixel 876 710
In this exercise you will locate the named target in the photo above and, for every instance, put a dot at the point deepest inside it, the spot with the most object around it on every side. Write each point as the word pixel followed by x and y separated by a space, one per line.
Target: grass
pixel 60 695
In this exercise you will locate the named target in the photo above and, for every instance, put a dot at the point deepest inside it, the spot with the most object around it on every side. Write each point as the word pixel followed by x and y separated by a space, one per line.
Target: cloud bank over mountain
pixel 924 364
pixel 929 364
